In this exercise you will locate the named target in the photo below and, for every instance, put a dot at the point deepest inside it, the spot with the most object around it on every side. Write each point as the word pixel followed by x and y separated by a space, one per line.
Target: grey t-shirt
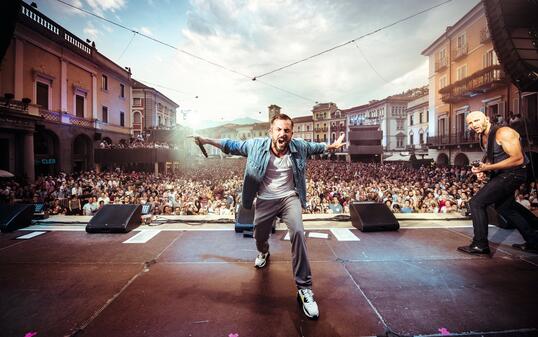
pixel 278 180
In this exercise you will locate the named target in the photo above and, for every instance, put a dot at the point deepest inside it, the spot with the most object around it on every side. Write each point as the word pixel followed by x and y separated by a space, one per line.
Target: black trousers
pixel 500 191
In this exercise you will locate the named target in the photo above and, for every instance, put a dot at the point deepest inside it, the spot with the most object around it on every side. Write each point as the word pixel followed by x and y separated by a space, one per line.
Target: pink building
pixel 61 98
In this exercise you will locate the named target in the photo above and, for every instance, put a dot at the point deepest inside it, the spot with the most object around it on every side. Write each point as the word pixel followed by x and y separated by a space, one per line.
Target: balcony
pixel 418 148
pixel 441 64
pixel 458 138
pixel 65 118
pixel 485 35
pixel 460 52
pixel 68 119
pixel 482 81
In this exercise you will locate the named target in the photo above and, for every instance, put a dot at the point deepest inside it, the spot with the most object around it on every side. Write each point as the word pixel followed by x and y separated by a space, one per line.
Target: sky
pixel 248 38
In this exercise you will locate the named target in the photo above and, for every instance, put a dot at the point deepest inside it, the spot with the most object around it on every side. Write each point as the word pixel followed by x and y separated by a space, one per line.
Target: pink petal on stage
pixel 30 334
pixel 443 331
pixel 233 335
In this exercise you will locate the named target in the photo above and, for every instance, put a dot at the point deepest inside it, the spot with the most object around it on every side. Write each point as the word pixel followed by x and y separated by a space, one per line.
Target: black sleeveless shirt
pixel 495 152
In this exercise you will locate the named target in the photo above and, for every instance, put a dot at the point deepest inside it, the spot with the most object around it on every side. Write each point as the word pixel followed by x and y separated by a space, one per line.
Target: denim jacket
pixel 257 151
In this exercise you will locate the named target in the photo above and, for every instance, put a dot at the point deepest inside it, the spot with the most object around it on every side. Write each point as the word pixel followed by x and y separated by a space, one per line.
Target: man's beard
pixel 280 146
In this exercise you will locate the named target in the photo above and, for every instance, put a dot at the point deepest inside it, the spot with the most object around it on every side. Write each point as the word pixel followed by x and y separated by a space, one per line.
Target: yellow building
pixel 322 113
pixel 303 128
pixel 464 75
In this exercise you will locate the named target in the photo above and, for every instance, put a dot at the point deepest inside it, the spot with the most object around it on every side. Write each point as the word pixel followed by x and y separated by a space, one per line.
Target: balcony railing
pixel 51 116
pixel 480 82
pixel 65 118
pixel 441 64
pixel 460 52
pixel 485 35
pixel 458 138
pixel 14 105
pixel 57 33
pixel 417 147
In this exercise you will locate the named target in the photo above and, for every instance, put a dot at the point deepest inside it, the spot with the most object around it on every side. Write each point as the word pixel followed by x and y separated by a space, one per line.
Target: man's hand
pixel 337 143
pixel 480 168
pixel 197 140
pixel 480 176
pixel 200 142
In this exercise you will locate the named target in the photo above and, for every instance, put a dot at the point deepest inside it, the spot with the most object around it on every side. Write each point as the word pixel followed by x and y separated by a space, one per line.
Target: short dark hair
pixel 282 117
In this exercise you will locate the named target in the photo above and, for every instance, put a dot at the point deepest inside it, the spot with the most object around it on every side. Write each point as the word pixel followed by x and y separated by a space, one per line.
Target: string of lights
pixel 351 41
pixel 135 32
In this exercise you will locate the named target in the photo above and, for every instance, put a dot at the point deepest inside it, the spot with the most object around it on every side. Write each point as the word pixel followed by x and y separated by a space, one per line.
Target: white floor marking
pixel 144 236
pixel 318 235
pixel 30 235
pixel 344 234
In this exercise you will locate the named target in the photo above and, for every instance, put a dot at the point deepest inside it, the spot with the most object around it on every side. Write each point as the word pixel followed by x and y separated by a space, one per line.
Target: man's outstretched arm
pixel 337 143
pixel 319 148
pixel 211 141
pixel 227 146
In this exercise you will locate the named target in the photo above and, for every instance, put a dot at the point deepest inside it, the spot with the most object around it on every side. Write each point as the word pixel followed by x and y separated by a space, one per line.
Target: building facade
pixel 391 116
pixel 417 121
pixel 465 75
pixel 303 128
pixel 151 109
pixel 60 97
pixel 321 115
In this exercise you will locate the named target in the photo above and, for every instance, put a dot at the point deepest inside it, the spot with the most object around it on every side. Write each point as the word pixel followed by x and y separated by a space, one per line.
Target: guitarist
pixel 506 162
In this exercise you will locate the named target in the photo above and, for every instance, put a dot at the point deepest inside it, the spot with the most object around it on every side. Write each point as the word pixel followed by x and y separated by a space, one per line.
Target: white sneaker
pixel 261 260
pixel 310 307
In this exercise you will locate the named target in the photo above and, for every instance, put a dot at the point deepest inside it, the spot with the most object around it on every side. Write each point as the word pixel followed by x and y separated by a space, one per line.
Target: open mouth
pixel 281 141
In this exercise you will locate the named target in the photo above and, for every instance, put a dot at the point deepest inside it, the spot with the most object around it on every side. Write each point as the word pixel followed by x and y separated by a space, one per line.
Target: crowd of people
pixel 215 188
pixel 137 143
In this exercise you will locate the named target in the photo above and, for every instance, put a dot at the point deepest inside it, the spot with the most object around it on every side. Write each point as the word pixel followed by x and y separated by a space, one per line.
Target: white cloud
pixel 146 31
pixel 70 10
pixel 91 32
pixel 414 78
pixel 256 36
pixel 102 6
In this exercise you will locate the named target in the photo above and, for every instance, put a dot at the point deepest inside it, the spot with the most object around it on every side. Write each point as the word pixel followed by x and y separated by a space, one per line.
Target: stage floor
pixel 201 282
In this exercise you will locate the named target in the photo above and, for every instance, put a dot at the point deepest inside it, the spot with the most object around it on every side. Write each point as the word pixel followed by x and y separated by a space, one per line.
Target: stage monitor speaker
pixel 372 217
pixel 115 219
pixel 244 220
pixel 13 217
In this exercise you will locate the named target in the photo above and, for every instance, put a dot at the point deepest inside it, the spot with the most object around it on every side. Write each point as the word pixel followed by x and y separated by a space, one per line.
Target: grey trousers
pixel 290 211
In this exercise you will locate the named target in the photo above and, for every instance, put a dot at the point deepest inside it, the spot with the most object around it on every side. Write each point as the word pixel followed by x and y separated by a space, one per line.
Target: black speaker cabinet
pixel 372 217
pixel 115 219
pixel 13 217
pixel 244 220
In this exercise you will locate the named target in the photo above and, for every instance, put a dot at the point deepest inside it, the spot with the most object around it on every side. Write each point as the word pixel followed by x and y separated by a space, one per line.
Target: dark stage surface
pixel 203 283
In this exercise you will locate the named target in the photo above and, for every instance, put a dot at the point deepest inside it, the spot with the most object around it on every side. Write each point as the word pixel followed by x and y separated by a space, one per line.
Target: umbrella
pixel 6 174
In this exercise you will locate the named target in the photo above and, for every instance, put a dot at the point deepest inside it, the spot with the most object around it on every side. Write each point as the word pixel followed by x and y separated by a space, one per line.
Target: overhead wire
pixel 127 47
pixel 368 62
pixel 182 50
pixel 350 41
